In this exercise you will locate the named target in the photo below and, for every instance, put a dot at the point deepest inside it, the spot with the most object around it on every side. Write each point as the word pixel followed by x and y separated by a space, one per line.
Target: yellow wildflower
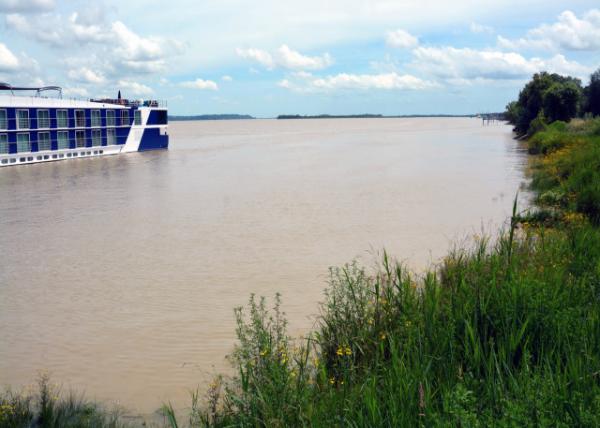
pixel 263 353
pixel 332 380
pixel 382 335
pixel 339 351
pixel 347 350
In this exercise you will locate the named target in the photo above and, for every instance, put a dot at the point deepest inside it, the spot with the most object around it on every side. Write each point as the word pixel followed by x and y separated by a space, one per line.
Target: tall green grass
pixel 47 407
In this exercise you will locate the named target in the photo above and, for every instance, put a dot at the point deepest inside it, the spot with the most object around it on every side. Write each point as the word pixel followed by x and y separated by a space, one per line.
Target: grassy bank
pixel 503 333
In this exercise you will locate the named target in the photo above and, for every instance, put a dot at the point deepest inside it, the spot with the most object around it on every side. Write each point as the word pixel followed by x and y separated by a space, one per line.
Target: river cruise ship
pixel 41 128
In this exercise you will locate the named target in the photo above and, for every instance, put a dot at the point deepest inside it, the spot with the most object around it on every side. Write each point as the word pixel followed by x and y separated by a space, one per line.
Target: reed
pixel 47 407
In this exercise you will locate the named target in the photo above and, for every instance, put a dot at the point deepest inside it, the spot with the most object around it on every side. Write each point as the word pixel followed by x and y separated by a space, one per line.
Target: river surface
pixel 119 275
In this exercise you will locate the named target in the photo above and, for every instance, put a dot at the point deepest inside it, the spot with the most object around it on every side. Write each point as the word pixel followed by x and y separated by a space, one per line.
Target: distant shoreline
pixel 367 116
pixel 177 118
pixel 212 117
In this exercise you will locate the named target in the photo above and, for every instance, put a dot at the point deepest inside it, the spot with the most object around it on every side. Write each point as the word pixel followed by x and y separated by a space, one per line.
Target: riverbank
pixel 503 333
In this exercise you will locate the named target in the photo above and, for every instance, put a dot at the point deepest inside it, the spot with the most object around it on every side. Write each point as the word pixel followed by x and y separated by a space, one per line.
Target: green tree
pixel 532 99
pixel 593 94
pixel 561 101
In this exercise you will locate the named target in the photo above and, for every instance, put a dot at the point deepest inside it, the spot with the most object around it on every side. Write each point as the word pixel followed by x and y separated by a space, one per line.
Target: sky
pixel 270 57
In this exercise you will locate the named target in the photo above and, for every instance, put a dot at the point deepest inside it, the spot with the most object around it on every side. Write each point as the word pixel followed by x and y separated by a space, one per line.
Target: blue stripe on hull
pixel 152 140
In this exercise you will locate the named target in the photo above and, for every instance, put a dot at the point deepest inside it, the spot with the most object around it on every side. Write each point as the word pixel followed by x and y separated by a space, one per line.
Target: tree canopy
pixel 551 96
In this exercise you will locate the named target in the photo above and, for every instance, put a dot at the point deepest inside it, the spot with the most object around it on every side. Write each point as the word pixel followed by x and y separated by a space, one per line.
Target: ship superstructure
pixel 38 128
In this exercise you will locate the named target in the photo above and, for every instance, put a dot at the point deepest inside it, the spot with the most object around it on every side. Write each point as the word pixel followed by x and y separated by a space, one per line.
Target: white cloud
pixel 294 60
pixel 480 28
pixel 120 49
pixel 262 57
pixel 464 63
pixel 135 87
pixel 26 6
pixel 347 81
pixel 200 84
pixel 75 92
pixel 401 39
pixel 569 32
pixel 226 78
pixel 287 58
pixel 8 60
pixel 86 75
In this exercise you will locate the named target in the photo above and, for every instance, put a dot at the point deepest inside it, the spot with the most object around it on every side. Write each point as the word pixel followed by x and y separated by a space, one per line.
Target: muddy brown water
pixel 119 275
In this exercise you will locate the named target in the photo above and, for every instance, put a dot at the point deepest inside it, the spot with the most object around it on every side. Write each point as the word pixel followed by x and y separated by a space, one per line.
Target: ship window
pixel 43 141
pixel 96 137
pixel 30 158
pixel 111 137
pixel 68 155
pixel 62 119
pixel 110 118
pixel 4 161
pixel 79 118
pixel 23 144
pixel 54 156
pixel 3 144
pixel 96 118
pixel 79 138
pixel 13 160
pixel 161 117
pixel 124 117
pixel 63 139
pixel 22 119
pixel 43 117
pixel 3 120
pixel 137 117
pixel 39 158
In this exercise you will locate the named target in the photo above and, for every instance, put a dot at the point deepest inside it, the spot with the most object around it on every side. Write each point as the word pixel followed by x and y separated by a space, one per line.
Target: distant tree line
pixel 550 97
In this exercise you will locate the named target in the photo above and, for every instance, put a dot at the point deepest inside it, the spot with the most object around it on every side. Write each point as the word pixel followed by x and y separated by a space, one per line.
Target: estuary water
pixel 119 275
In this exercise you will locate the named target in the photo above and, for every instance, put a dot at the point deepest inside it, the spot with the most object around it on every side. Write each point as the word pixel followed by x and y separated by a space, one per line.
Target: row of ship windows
pixel 62 118
pixel 48 157
pixel 62 139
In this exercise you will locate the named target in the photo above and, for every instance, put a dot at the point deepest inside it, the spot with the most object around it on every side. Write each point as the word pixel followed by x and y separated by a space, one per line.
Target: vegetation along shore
pixel 501 333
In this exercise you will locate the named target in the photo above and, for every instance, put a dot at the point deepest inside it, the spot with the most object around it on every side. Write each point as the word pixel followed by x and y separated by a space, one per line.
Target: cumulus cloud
pixel 86 75
pixel 258 55
pixel 200 84
pixel 26 6
pixel 135 87
pixel 464 63
pixel 348 81
pixel 126 50
pixel 285 57
pixel 569 32
pixel 294 60
pixel 8 60
pixel 401 39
